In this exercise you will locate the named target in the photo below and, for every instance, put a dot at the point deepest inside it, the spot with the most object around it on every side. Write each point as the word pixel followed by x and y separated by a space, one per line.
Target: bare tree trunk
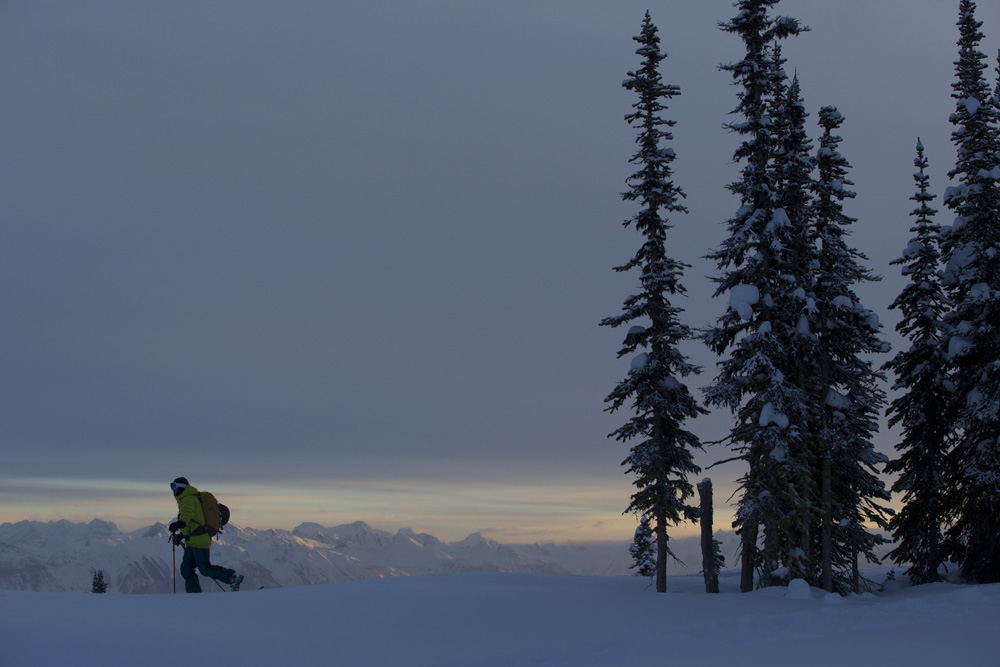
pixel 749 556
pixel 770 555
pixel 661 551
pixel 855 569
pixel 933 545
pixel 827 534
pixel 660 513
pixel 708 563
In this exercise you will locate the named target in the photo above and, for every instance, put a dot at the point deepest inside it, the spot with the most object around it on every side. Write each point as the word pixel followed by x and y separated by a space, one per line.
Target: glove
pixel 177 539
pixel 176 525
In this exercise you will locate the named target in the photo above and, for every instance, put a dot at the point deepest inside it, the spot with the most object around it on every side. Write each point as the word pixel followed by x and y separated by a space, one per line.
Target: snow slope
pixel 491 619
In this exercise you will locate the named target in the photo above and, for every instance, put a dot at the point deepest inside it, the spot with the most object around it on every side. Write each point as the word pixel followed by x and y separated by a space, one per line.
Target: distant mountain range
pixel 63 556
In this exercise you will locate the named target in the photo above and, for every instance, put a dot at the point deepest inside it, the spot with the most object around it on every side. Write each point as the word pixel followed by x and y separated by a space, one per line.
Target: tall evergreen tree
pixel 972 281
pixel 924 409
pixel 662 458
pixel 756 379
pixel 849 391
pixel 793 167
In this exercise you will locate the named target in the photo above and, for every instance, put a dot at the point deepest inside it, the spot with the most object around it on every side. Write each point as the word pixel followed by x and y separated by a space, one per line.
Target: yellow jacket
pixel 189 511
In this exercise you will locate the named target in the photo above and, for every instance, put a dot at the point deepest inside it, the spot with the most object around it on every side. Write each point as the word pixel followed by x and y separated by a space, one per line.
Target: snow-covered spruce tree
pixel 661 459
pixel 643 550
pixel 756 375
pixel 972 280
pixel 850 393
pixel 793 183
pixel 924 407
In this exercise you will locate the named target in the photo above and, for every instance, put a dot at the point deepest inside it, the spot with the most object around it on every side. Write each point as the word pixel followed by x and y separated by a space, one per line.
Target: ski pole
pixel 173 570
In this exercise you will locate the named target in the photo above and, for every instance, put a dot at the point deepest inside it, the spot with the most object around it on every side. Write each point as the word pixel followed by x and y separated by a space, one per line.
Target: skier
pixel 190 532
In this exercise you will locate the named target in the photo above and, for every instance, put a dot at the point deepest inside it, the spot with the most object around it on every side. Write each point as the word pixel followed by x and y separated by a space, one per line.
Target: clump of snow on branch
pixel 743 298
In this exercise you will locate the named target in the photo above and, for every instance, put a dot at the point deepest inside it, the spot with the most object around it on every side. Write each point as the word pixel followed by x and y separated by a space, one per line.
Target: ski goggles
pixel 177 485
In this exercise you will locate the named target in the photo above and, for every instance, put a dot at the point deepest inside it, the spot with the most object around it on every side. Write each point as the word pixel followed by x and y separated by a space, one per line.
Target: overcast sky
pixel 344 261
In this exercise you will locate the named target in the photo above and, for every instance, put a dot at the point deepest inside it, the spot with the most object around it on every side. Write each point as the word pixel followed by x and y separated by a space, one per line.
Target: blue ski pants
pixel 200 558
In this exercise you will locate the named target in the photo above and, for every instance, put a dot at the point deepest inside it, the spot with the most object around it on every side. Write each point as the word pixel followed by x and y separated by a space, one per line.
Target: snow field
pixel 491 619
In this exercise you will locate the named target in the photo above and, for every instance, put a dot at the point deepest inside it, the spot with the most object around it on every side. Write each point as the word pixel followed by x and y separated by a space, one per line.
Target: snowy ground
pixel 506 619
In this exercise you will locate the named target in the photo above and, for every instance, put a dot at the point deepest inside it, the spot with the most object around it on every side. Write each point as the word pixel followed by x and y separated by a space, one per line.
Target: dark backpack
pixel 216 514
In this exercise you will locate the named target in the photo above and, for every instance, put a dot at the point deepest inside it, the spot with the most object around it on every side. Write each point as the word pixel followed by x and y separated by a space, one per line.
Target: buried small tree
pixel 643 550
